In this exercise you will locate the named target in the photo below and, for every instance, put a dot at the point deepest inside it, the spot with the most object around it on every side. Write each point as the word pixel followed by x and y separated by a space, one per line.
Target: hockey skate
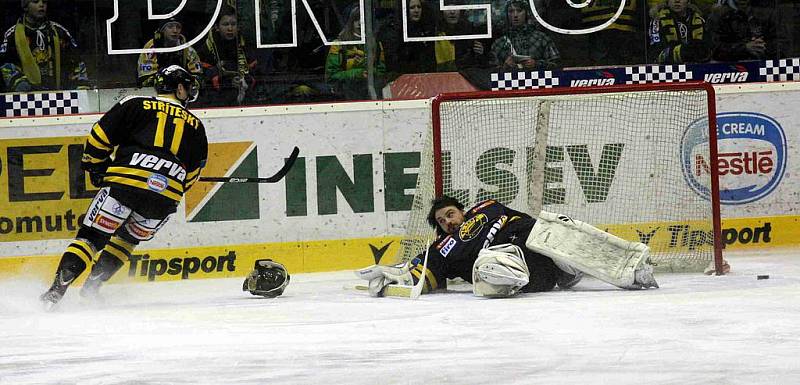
pixel 52 297
pixel 643 277
pixel 566 280
pixel 91 290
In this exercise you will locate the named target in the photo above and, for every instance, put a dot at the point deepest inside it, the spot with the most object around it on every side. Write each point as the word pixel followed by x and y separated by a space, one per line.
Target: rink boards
pixel 344 203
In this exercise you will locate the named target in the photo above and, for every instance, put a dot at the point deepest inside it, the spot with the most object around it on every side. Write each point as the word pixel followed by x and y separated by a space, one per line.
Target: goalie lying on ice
pixel 502 252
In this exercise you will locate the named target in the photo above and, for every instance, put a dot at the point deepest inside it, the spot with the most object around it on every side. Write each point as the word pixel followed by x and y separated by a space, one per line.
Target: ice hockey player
pixel 268 279
pixel 502 252
pixel 143 155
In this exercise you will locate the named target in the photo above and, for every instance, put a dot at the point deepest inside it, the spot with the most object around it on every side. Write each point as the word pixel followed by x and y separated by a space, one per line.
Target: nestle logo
pixel 751 156
pixel 157 182
pixel 738 163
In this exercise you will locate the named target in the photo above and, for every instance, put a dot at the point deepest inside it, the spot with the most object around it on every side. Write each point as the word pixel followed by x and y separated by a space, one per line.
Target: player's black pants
pixel 128 214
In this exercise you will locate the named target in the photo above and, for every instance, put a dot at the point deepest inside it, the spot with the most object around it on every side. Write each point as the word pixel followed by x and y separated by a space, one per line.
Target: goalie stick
pixel 402 291
pixel 416 290
pixel 272 179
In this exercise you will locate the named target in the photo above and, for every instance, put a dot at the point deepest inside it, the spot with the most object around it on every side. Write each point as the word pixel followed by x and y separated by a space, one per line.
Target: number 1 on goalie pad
pixel 595 252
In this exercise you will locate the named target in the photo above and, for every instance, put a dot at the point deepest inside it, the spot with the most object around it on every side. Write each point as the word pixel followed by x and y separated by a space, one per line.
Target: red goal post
pixel 630 159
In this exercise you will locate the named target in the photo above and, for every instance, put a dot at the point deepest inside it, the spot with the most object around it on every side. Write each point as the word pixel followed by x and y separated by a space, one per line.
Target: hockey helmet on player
pixel 268 279
pixel 168 78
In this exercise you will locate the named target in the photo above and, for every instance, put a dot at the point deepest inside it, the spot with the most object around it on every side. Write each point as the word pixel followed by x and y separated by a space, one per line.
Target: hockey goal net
pixel 632 160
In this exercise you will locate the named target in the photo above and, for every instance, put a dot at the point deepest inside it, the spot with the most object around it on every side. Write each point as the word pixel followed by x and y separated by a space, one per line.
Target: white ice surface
pixel 696 329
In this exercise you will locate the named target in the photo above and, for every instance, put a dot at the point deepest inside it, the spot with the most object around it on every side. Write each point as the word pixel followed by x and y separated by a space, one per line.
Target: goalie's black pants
pixel 544 273
pixel 113 237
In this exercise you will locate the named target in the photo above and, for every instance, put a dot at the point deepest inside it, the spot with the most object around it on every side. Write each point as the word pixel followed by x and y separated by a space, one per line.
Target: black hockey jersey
pixel 160 146
pixel 453 255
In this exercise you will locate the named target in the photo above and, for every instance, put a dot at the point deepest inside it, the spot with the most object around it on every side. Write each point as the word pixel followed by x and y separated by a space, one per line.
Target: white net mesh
pixel 616 160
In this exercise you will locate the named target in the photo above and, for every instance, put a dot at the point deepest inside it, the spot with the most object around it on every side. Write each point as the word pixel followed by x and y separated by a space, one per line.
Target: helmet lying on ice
pixel 268 279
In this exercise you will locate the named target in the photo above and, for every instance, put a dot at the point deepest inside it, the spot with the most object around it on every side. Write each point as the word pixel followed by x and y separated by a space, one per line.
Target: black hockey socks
pixel 74 261
pixel 71 266
pixel 108 263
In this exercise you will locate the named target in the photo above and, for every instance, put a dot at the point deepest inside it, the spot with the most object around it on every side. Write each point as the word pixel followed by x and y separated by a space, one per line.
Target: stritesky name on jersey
pixel 171 110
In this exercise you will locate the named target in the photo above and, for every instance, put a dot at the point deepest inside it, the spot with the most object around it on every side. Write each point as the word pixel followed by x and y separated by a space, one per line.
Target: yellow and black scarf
pixel 29 66
pixel 241 59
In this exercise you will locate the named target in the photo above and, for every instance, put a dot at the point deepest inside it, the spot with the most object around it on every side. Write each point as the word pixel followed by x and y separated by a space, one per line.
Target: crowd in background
pixel 62 44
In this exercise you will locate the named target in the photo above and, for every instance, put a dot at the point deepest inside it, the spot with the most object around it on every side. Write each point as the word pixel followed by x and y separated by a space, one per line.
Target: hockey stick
pixel 272 179
pixel 401 291
pixel 416 290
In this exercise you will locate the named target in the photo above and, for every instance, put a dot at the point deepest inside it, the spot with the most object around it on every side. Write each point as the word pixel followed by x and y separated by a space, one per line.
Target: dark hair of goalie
pixel 143 155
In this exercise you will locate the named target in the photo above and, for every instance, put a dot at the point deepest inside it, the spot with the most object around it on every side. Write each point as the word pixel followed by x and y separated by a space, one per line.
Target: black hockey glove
pixel 97 171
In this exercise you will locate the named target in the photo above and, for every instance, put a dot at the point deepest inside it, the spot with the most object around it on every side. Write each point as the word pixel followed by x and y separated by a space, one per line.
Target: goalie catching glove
pixel 403 274
pixel 268 279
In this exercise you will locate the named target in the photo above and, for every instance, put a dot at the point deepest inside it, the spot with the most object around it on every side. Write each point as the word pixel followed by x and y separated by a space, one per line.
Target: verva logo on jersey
pixel 751 156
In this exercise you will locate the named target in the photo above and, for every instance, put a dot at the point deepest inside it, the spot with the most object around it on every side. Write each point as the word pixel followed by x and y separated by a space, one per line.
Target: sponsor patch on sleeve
pixel 447 247
pixel 483 205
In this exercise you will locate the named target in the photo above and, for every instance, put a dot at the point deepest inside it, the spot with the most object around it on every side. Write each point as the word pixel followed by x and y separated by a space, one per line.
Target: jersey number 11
pixel 177 134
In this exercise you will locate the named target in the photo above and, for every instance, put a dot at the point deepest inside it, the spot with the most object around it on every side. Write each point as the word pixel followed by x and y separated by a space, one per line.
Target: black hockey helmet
pixel 168 78
pixel 268 279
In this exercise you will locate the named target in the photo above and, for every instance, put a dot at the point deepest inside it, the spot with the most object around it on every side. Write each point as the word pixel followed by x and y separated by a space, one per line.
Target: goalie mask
pixel 268 279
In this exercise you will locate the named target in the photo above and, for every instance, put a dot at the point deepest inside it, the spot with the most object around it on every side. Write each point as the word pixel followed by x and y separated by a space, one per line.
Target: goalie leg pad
pixel 499 271
pixel 588 249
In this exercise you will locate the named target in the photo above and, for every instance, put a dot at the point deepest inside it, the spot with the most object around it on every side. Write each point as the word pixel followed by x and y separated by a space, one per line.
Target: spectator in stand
pixel 619 43
pixel 678 35
pixel 523 46
pixel 452 55
pixel 346 64
pixel 292 74
pixel 416 56
pixel 740 33
pixel 167 35
pixel 39 54
pixel 704 6
pixel 276 26
pixel 226 64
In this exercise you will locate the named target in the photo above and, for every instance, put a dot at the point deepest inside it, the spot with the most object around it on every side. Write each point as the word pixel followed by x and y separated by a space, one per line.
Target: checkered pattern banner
pixel 781 70
pixel 523 80
pixel 39 104
pixel 657 74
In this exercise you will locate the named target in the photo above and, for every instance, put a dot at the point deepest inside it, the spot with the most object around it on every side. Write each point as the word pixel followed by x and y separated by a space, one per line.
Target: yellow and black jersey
pixel 452 255
pixel 600 11
pixel 157 145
